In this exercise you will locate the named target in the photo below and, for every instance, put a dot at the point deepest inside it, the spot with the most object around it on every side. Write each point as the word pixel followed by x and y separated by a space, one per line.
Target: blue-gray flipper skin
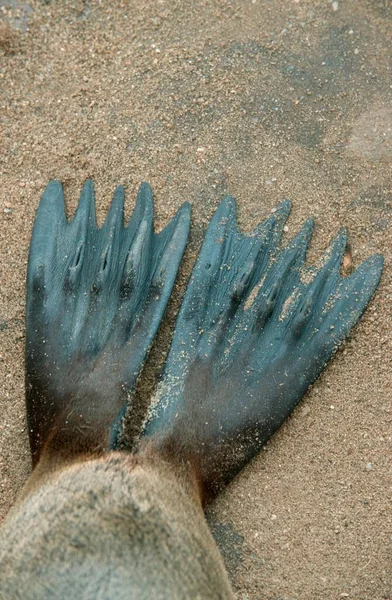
pixel 95 299
pixel 255 329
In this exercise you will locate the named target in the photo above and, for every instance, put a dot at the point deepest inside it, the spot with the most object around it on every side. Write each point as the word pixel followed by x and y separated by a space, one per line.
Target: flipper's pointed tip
pixel 227 210
pixel 344 230
pixel 144 202
pixel 54 184
pixel 145 193
pixel 88 184
pixel 301 240
pixel 178 228
pixel 115 216
pixel 343 234
pixel 182 218
pixel 378 260
pixel 119 191
pixel 371 268
pixel 375 263
pixel 307 229
pixel 283 209
pixel 118 199
pixel 87 189
pixel 185 211
pixel 87 193
pixel 224 218
pixel 186 207
pixel 53 190
pixel 229 204
pixel 365 278
pixel 52 202
pixel 86 207
pixel 144 207
pixel 274 222
pixel 339 244
pixel 145 188
pixel 309 222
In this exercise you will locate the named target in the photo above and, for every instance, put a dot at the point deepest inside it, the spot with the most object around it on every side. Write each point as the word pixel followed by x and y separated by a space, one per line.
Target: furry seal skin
pixel 255 329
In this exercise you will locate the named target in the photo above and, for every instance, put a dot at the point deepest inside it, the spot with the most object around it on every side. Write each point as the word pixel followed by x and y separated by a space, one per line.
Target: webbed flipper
pixel 255 329
pixel 95 299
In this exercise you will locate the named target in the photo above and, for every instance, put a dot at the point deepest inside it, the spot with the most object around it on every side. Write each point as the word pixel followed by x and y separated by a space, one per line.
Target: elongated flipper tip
pixel 168 249
pixel 49 218
pixel 348 302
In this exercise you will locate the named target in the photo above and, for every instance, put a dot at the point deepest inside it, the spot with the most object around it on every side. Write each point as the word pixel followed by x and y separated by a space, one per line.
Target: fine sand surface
pixel 263 100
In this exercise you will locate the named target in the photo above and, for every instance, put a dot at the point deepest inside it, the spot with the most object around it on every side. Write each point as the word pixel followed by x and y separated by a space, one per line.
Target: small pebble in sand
pixel 369 466
pixel 335 6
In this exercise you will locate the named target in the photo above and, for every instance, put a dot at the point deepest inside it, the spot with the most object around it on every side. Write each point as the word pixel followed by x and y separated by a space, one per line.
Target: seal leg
pixel 95 299
pixel 255 329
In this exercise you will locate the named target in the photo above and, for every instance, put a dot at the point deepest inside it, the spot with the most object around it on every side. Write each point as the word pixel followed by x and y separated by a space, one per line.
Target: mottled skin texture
pixel 116 526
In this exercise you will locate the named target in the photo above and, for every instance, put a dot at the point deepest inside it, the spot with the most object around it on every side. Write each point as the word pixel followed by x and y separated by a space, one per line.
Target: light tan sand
pixel 265 100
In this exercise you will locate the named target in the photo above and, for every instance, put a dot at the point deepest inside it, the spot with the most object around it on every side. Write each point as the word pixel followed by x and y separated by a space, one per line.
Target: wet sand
pixel 263 100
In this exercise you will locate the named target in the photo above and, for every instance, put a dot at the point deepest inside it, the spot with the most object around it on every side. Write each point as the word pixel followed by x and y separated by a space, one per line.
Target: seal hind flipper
pixel 255 329
pixel 95 299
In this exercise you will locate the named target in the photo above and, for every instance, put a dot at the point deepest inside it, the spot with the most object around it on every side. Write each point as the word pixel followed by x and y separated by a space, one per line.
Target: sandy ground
pixel 265 100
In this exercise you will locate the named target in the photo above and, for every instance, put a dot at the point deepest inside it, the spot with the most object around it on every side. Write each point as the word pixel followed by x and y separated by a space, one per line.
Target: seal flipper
pixel 255 329
pixel 95 299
